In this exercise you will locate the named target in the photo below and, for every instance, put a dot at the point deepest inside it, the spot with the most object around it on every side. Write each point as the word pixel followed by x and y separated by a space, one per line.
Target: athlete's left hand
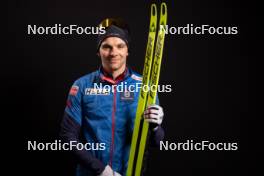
pixel 117 174
pixel 154 114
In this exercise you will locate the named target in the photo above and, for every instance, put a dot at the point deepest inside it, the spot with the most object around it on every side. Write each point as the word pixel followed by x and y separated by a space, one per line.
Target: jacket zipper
pixel 113 129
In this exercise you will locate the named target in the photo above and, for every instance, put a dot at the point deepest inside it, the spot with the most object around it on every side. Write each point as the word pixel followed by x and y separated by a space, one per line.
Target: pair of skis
pixel 150 75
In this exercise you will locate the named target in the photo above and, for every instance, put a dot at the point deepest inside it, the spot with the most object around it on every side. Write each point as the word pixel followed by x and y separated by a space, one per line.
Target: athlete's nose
pixel 113 51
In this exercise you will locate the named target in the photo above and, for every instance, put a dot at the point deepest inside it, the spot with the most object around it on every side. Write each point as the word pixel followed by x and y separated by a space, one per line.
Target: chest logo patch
pixel 93 91
pixel 127 96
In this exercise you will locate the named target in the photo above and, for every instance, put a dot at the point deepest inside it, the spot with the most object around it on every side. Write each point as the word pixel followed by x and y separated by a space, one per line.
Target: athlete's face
pixel 113 52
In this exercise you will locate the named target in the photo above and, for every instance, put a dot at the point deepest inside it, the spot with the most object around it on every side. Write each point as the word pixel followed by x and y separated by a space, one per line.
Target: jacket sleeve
pixel 71 130
pixel 156 136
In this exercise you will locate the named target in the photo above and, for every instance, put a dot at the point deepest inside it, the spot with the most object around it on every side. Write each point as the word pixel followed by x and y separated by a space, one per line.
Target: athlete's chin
pixel 114 66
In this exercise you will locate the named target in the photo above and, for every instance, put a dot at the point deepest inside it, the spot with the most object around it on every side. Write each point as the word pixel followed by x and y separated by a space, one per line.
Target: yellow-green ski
pixel 154 80
pixel 143 95
pixel 150 75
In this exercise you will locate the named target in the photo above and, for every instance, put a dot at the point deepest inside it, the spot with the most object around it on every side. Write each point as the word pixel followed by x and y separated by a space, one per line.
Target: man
pixel 106 118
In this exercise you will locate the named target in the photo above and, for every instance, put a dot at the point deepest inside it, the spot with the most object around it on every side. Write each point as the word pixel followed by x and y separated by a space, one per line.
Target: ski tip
pixel 153 10
pixel 163 8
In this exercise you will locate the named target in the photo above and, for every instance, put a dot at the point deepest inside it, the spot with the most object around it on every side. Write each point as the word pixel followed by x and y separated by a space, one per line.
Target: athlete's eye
pixel 106 46
pixel 122 45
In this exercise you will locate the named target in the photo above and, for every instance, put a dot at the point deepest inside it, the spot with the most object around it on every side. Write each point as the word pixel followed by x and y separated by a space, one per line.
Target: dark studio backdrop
pixel 212 77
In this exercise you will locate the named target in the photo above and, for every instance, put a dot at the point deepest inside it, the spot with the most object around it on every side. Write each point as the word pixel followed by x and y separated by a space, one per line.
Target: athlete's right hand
pixel 108 171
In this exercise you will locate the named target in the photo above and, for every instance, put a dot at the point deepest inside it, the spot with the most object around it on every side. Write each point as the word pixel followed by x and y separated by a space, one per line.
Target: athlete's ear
pixel 98 54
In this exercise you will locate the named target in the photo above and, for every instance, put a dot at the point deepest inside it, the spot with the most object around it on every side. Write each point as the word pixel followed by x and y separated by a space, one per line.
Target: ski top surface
pixel 145 81
pixel 150 75
pixel 153 83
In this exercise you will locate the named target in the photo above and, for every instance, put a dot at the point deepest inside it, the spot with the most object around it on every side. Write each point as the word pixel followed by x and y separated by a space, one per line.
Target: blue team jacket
pixel 104 118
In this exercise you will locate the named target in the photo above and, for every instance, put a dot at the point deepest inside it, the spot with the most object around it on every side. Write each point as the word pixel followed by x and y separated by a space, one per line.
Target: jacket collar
pixel 106 77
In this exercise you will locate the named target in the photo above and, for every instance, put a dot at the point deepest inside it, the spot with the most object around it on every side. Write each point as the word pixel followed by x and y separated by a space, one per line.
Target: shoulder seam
pixel 135 77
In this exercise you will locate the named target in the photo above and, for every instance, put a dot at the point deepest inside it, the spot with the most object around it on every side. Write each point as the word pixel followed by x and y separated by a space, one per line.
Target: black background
pixel 212 76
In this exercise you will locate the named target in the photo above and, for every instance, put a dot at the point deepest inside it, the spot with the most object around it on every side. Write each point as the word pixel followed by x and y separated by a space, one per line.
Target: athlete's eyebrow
pixel 121 45
pixel 106 45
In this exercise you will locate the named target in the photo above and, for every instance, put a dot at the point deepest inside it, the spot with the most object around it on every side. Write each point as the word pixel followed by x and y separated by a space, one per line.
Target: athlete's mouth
pixel 113 61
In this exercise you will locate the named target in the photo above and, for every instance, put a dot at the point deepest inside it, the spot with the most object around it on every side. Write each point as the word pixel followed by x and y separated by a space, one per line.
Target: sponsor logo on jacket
pixel 93 91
